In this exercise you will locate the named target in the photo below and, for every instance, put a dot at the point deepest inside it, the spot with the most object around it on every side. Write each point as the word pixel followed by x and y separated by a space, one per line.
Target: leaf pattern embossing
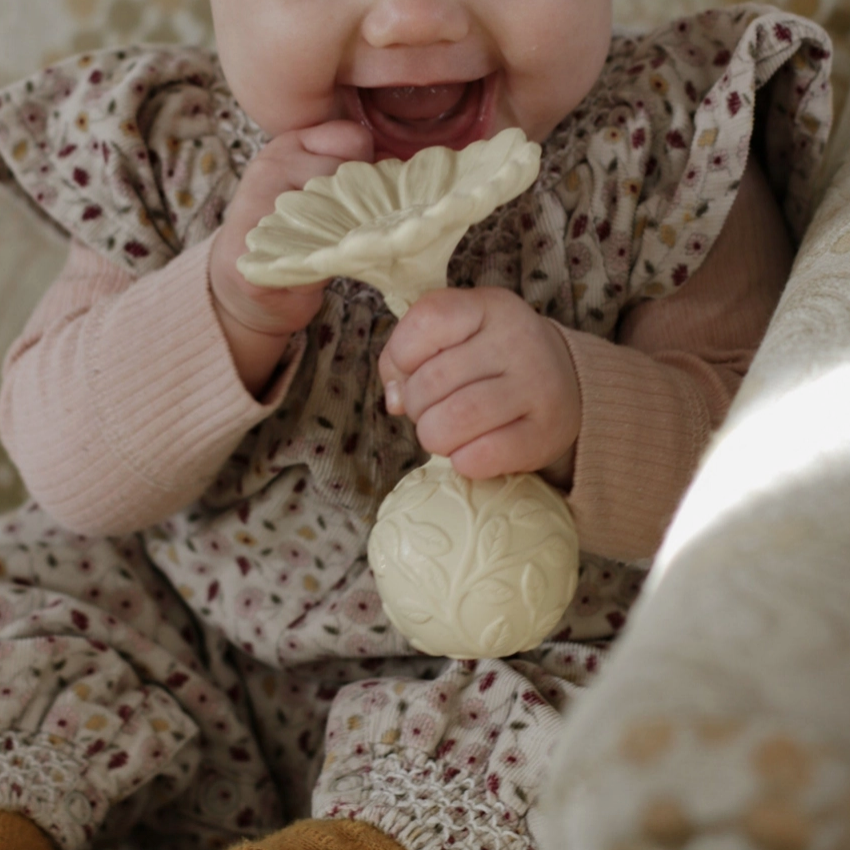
pixel 497 637
pixel 534 586
pixel 494 540
pixel 385 548
pixel 528 512
pixel 428 539
pixel 495 592
pixel 413 492
pixel 412 610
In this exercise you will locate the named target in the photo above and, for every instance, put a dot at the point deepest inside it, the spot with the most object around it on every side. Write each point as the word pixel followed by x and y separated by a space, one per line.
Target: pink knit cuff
pixel 644 426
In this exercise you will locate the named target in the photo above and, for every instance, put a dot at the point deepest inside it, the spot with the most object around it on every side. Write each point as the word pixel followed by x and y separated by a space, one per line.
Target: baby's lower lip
pixel 466 121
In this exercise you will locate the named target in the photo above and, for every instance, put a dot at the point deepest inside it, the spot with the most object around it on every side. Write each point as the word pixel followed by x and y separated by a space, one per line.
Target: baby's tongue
pixel 416 103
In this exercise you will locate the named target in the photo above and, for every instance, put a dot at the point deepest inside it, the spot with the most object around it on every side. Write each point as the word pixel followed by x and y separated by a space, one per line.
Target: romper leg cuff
pixel 46 783
pixel 421 803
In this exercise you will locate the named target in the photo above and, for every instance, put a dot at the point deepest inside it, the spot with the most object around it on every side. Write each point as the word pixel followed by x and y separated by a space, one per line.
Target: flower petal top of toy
pixel 392 224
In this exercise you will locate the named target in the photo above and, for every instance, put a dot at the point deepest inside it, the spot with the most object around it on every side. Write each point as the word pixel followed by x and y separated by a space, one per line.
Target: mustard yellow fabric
pixel 19 833
pixel 323 835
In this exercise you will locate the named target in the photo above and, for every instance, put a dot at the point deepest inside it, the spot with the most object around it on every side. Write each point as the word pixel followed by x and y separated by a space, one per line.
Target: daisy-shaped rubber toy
pixel 393 224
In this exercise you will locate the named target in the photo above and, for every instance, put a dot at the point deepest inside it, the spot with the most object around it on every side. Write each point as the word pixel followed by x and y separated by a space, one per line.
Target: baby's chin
pixel 405 119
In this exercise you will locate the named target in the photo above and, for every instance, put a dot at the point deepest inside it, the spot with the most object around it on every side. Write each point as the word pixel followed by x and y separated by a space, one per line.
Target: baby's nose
pixel 415 22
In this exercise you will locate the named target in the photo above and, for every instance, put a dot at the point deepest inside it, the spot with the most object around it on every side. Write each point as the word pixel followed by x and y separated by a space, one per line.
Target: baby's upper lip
pixel 435 65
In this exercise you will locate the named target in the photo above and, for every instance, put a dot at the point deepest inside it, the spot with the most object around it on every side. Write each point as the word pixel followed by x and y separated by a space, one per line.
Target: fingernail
pixel 392 392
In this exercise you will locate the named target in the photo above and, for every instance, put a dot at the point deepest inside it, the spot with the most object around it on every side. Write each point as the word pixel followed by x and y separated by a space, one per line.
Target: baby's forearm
pixel 644 427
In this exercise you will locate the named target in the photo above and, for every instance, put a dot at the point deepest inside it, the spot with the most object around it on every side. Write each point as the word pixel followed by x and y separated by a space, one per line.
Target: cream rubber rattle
pixel 465 569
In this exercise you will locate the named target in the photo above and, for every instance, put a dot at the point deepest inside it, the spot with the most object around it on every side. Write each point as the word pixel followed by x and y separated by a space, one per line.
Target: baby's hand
pixel 488 382
pixel 259 320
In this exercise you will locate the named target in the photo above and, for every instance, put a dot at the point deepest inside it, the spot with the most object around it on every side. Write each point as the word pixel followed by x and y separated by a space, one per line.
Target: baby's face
pixel 415 72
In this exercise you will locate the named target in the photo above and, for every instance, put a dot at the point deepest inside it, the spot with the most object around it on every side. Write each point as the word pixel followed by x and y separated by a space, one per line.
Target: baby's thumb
pixel 344 140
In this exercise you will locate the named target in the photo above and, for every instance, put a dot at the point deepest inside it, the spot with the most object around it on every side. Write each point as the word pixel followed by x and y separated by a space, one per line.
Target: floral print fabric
pixel 201 678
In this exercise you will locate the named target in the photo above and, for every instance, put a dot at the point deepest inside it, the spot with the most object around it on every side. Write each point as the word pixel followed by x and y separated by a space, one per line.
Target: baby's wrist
pixel 255 353
pixel 560 473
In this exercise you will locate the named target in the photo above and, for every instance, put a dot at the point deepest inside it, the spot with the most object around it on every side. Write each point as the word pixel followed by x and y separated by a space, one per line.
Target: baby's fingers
pixel 436 322
pixel 514 447
pixel 343 141
pixel 467 414
pixel 287 162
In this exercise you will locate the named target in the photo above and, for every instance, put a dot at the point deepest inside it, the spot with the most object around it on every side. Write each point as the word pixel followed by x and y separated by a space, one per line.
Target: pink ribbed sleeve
pixel 645 423
pixel 109 441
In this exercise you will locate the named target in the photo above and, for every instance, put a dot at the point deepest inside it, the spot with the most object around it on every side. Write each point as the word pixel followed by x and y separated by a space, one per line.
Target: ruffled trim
pixel 461 756
pixel 125 149
pixel 124 708
pixel 137 152
pixel 641 177
pixel 66 795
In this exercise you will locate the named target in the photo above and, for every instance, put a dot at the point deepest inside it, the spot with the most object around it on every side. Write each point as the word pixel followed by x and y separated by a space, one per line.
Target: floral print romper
pixel 232 668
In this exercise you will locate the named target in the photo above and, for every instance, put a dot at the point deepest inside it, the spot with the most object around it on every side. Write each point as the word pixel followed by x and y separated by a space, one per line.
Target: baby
pixel 193 647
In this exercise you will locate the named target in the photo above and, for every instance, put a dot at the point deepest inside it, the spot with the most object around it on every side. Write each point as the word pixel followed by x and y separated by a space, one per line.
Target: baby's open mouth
pixel 405 119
